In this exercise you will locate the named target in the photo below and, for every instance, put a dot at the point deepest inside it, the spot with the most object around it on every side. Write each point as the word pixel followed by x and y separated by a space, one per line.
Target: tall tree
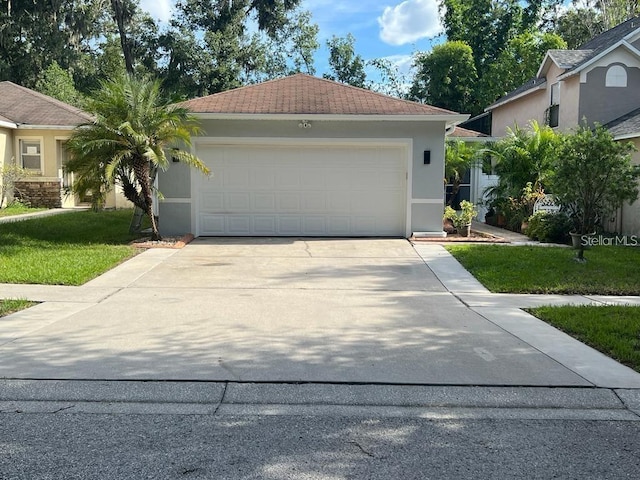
pixel 34 33
pixel 446 77
pixel 521 58
pixel 578 25
pixel 58 83
pixel 208 49
pixel 134 133
pixel 346 66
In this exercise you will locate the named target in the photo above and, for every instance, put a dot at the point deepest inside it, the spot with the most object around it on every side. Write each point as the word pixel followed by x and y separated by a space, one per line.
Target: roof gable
pixel 23 106
pixel 303 94
pixel 573 61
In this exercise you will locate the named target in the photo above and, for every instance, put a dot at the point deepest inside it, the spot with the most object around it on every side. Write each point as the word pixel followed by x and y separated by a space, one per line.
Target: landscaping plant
pixel 135 132
pixel 461 219
pixel 593 176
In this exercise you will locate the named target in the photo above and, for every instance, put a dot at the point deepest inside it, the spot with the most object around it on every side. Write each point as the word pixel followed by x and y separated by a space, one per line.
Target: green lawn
pixel 67 249
pixel 8 307
pixel 529 269
pixel 613 330
pixel 18 209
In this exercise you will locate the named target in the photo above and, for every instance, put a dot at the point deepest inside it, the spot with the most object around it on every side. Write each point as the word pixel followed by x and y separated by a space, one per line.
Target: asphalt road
pixel 328 447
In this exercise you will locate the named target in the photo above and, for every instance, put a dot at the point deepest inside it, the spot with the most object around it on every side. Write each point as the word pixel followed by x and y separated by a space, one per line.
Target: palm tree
pixel 525 156
pixel 459 158
pixel 135 133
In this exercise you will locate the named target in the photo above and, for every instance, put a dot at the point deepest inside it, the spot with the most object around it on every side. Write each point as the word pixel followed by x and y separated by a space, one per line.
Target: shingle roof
pixel 530 85
pixel 459 132
pixel 611 36
pixel 23 106
pixel 626 125
pixel 307 95
pixel 573 59
pixel 569 58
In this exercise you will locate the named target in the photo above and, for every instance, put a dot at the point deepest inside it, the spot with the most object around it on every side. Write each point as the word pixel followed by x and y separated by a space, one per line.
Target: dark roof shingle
pixel 23 106
pixel 626 125
pixel 307 95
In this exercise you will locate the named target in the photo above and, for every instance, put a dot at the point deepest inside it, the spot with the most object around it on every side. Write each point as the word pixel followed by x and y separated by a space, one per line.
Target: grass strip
pixel 552 270
pixel 612 330
pixel 66 249
pixel 7 307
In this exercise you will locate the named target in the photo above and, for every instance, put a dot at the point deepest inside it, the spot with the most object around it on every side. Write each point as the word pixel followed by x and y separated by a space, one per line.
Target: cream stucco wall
pixel 630 215
pixel 569 104
pixel 6 146
pixel 519 112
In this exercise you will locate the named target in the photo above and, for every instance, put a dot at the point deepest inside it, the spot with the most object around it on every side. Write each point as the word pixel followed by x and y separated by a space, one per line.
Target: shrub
pixel 549 227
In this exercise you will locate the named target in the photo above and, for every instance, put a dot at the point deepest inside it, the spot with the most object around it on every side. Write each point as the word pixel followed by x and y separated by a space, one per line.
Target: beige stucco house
pixel 34 129
pixel 599 83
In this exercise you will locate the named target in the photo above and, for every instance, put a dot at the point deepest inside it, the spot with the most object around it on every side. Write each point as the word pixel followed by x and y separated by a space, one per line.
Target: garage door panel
pixel 310 191
pixel 265 225
pixel 264 202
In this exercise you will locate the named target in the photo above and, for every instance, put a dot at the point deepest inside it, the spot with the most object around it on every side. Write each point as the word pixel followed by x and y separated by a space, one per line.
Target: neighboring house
pixel 34 129
pixel 303 156
pixel 599 82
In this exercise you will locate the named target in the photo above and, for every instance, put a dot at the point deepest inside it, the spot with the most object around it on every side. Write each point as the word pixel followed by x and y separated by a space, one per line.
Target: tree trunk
pixel 119 17
pixel 142 171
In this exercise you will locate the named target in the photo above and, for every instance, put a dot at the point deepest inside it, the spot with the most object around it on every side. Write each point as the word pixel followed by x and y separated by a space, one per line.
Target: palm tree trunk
pixel 142 171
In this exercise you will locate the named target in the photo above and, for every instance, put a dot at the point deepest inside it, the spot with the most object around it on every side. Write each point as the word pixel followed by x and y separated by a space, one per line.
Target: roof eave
pixel 25 126
pixel 450 118
pixel 11 125
pixel 627 136
pixel 516 97
pixel 592 60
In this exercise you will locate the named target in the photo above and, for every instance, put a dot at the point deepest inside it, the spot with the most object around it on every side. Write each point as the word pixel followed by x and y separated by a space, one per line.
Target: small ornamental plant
pixel 461 219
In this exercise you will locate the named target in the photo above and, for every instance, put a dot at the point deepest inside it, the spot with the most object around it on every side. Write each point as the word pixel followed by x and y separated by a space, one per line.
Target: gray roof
pixel 23 106
pixel 569 58
pixel 573 59
pixel 614 35
pixel 530 85
pixel 627 125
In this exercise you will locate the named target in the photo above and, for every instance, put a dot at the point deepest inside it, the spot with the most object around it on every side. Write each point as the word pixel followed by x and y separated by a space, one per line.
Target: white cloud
pixel 158 9
pixel 409 21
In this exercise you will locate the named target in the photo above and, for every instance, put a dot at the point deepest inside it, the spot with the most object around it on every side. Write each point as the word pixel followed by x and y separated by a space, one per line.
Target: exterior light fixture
pixel 306 124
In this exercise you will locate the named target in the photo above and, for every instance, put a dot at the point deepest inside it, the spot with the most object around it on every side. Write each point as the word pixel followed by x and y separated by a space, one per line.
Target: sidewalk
pixel 45 213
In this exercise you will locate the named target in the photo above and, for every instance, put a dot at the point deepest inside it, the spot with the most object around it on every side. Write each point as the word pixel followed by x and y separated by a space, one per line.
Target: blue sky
pixel 391 29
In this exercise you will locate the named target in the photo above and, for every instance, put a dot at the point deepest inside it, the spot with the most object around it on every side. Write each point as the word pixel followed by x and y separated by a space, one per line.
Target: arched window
pixel 616 76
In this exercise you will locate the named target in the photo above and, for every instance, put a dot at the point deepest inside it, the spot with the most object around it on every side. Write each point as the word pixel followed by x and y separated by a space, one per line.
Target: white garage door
pixel 302 191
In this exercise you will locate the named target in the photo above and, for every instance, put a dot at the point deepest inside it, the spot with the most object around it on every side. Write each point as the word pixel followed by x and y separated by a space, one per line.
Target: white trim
pixel 627 136
pixel 11 125
pixel 176 200
pixel 18 149
pixel 405 143
pixel 450 118
pixel 581 69
pixel 428 200
pixel 46 127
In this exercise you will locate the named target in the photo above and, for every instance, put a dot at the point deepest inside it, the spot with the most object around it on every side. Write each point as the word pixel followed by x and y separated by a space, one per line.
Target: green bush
pixel 549 227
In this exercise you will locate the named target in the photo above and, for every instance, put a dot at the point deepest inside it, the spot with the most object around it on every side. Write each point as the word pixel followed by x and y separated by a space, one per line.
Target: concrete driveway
pixel 275 310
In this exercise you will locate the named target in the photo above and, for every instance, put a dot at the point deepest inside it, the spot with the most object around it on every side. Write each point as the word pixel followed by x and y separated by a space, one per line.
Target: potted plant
pixel 462 219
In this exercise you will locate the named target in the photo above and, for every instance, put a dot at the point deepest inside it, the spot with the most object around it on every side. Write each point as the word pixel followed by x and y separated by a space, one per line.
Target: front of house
pixel 304 156
pixel 599 83
pixel 34 129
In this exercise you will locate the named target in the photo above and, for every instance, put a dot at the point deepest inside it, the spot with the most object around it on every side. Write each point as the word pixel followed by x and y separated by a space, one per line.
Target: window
pixel 31 154
pixel 555 94
pixel 616 76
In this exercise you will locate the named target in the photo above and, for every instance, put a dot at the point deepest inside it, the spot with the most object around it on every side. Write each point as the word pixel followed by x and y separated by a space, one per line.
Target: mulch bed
pixel 475 237
pixel 166 242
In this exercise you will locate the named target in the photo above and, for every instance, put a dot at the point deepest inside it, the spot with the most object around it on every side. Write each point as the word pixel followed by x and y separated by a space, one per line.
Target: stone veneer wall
pixel 39 193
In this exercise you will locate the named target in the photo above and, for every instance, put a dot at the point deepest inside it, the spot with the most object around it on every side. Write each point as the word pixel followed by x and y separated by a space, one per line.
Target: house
pixel 304 156
pixel 599 82
pixel 33 131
